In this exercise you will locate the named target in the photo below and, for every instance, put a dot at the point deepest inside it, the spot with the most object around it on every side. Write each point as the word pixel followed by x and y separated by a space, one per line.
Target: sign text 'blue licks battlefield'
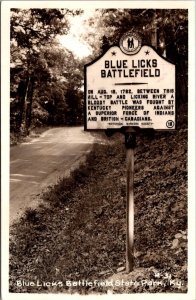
pixel 130 85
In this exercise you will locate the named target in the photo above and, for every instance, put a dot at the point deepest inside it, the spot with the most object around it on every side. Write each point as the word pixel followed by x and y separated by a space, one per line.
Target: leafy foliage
pixel 171 26
pixel 31 28
pixel 41 72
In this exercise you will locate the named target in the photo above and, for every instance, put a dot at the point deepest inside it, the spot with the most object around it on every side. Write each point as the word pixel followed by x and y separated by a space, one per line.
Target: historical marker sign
pixel 130 86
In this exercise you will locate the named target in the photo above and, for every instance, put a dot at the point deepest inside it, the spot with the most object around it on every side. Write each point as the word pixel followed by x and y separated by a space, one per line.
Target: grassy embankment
pixel 80 233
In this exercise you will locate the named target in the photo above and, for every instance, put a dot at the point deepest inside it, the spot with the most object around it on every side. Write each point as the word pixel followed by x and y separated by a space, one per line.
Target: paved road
pixel 37 164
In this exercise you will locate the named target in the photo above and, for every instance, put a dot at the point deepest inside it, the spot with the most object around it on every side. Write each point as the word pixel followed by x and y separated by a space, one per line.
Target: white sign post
pixel 129 87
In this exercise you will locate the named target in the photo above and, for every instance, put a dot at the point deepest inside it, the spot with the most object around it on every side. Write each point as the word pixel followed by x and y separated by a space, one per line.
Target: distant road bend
pixel 40 163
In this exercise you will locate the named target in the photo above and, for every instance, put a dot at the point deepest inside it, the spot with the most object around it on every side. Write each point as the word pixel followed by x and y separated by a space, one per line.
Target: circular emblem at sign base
pixel 130 43
pixel 170 124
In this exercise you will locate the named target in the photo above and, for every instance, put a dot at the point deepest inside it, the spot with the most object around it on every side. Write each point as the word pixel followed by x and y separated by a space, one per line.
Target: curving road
pixel 37 164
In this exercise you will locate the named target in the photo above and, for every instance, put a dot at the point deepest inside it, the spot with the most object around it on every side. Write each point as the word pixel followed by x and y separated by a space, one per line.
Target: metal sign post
pixel 130 143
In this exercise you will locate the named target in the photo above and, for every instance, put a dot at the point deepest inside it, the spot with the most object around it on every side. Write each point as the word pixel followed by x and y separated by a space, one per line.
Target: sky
pixel 73 41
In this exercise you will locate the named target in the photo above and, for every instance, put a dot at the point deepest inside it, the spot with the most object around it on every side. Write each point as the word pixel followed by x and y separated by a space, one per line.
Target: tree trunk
pixel 23 127
pixel 22 94
pixel 154 32
pixel 29 114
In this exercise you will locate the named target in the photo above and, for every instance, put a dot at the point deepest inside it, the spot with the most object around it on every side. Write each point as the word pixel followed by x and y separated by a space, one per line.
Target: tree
pixel 30 31
pixel 26 73
pixel 31 28
pixel 61 96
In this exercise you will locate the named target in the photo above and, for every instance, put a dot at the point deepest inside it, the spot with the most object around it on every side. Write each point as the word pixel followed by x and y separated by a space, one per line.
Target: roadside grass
pixel 79 232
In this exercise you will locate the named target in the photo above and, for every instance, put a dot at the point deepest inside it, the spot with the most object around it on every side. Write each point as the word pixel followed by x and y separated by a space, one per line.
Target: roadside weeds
pixel 79 232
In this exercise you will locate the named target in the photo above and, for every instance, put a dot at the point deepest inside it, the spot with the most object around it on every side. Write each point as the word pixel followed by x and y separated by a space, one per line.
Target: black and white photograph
pixel 98 156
